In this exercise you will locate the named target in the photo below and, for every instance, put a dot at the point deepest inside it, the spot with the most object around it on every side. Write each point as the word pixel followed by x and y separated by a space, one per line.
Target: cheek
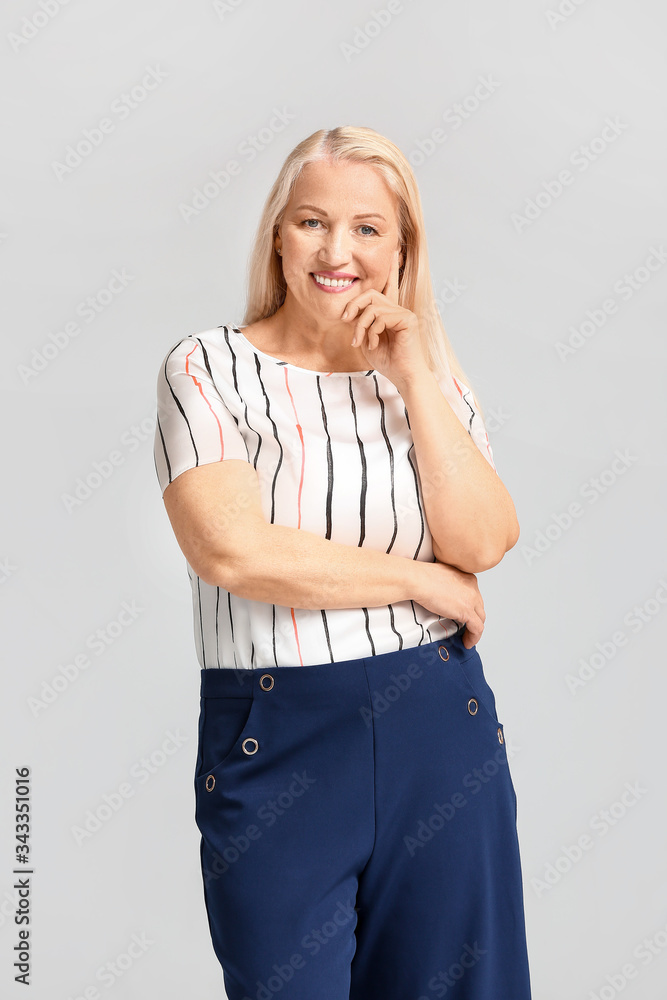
pixel 378 260
pixel 296 276
pixel 297 255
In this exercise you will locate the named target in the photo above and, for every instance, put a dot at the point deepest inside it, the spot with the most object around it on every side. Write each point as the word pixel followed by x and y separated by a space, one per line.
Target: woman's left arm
pixel 470 513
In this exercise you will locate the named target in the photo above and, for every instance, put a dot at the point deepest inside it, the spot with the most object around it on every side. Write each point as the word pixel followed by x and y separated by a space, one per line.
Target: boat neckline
pixel 288 364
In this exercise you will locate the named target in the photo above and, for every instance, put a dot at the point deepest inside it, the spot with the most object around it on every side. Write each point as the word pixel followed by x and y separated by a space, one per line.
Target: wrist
pixel 416 580
pixel 415 381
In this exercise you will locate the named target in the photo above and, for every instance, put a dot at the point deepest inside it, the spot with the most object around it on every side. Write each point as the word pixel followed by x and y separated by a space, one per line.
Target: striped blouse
pixel 334 456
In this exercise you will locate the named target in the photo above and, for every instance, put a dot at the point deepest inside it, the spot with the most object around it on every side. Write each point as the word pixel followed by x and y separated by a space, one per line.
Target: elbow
pixel 234 567
pixel 479 552
pixel 486 556
pixel 487 560
pixel 482 560
pixel 494 554
pixel 223 569
pixel 470 561
pixel 216 572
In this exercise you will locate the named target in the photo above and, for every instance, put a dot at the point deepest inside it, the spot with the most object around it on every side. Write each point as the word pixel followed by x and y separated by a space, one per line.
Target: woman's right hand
pixel 451 593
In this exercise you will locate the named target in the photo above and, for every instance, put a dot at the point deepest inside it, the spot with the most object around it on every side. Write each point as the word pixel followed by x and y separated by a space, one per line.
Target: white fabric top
pixel 334 455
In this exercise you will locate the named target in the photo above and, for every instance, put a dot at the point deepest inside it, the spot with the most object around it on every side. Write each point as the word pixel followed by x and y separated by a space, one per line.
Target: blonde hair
pixel 357 144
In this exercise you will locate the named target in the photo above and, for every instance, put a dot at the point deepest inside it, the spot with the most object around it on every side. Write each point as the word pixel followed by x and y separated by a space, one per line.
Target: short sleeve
pixel 461 400
pixel 194 426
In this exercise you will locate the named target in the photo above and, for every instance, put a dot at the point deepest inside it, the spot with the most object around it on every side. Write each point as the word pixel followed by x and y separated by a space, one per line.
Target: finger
pixel 377 327
pixel 391 287
pixel 473 634
pixel 392 279
pixel 475 627
pixel 356 304
pixel 358 334
pixel 364 322
pixel 349 310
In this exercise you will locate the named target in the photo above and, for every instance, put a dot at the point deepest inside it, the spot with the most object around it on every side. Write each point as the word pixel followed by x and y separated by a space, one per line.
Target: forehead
pixel 344 186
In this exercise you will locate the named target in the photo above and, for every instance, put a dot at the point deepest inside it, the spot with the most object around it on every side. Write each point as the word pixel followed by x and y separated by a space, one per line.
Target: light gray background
pixel 555 426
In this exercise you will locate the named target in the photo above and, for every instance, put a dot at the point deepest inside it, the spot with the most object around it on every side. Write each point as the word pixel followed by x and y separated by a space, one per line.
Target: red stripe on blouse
pixel 203 396
pixel 303 449
pixel 486 436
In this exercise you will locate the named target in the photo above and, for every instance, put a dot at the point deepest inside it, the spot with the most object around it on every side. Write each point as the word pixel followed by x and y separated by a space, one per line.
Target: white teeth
pixel 334 282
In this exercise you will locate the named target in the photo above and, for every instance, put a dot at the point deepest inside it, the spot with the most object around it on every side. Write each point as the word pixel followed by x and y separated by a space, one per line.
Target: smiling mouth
pixel 333 284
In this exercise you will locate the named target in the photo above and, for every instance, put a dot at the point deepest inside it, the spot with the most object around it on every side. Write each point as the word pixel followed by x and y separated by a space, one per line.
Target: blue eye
pixel 362 226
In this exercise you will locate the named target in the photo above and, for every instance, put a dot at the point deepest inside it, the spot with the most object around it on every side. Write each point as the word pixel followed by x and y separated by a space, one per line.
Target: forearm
pixel 299 569
pixel 469 511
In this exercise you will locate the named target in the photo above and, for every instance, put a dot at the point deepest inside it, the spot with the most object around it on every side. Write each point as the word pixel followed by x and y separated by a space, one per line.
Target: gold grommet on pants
pixel 501 738
pixel 473 706
pixel 210 783
pixel 445 658
pixel 250 740
pixel 268 686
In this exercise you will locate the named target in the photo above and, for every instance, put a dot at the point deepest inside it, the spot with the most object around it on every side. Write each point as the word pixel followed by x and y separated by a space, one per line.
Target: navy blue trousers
pixel 358 830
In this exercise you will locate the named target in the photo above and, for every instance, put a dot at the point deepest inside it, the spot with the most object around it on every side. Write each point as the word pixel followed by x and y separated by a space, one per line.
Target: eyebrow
pixel 363 215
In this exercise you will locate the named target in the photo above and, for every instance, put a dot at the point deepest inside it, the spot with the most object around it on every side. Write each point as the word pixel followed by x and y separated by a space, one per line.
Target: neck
pixel 316 337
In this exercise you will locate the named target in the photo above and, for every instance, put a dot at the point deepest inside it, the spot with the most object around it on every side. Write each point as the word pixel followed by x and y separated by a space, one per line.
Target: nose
pixel 334 249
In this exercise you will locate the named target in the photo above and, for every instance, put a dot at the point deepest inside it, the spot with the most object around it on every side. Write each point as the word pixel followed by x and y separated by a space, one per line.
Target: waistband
pixel 244 682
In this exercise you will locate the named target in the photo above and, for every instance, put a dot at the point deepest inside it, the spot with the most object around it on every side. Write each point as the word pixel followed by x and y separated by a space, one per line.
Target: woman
pixel 328 477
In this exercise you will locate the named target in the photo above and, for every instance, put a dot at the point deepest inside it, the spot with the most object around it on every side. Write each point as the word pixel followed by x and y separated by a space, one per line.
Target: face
pixel 341 218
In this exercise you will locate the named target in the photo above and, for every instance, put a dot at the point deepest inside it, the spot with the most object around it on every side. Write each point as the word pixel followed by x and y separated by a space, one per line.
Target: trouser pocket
pixel 472 669
pixel 223 721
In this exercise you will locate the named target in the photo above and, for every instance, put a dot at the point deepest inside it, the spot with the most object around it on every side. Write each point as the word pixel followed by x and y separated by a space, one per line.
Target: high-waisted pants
pixel 358 830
